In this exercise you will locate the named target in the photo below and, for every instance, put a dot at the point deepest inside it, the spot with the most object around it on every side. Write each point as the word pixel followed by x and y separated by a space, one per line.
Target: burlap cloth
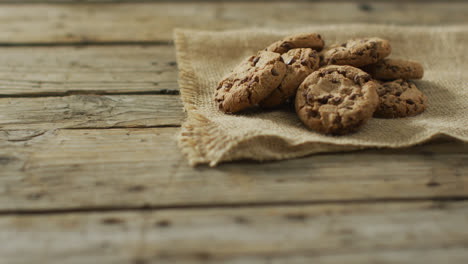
pixel 209 136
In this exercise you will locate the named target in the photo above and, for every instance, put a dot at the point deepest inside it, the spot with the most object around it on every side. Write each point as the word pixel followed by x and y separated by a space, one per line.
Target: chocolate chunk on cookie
pixel 250 82
pixel 391 69
pixel 399 98
pixel 357 52
pixel 299 64
pixel 336 99
pixel 303 40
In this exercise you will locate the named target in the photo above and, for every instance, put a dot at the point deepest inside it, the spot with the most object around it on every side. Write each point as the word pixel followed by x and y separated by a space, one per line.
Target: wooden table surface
pixel 90 171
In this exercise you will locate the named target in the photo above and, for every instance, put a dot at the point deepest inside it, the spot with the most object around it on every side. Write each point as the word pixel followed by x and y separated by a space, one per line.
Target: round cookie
pixel 399 98
pixel 336 99
pixel 357 52
pixel 391 69
pixel 250 82
pixel 299 64
pixel 302 40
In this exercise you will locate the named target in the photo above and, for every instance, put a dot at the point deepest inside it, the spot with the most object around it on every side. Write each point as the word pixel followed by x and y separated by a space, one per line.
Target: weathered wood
pixel 91 111
pixel 355 233
pixel 115 168
pixel 342 208
pixel 154 22
pixel 87 69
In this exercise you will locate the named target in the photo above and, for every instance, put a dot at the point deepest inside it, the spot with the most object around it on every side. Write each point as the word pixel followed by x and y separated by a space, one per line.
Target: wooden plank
pixel 91 111
pixel 154 22
pixel 357 233
pixel 87 69
pixel 134 168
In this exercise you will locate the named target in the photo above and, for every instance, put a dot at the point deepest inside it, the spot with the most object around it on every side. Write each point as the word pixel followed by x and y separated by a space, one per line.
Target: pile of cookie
pixel 335 90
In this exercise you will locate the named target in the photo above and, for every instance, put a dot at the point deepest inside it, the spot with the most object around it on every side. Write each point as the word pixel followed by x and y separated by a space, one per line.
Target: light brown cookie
pixel 303 40
pixel 357 52
pixel 336 99
pixel 391 69
pixel 399 98
pixel 299 64
pixel 250 82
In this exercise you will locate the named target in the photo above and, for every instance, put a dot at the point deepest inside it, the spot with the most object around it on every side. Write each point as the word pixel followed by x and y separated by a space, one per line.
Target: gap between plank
pixel 91 92
pixel 100 209
pixel 86 42
pixel 117 127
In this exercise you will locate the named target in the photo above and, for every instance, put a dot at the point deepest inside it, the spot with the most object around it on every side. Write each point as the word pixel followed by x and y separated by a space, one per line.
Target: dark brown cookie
pixel 299 64
pixel 357 52
pixel 250 82
pixel 391 69
pixel 303 40
pixel 336 99
pixel 399 98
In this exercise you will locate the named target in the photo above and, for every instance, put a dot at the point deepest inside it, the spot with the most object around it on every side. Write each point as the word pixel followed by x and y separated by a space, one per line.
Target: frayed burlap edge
pixel 199 139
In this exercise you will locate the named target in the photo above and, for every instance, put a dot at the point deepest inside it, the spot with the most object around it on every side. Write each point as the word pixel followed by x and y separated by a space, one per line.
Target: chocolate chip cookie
pixel 357 52
pixel 336 99
pixel 299 64
pixel 391 69
pixel 303 40
pixel 250 82
pixel 399 98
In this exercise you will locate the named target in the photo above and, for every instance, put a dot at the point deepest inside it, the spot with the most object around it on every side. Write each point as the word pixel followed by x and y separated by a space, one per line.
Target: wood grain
pixel 424 232
pixel 154 22
pixel 136 168
pixel 87 69
pixel 90 171
pixel 90 111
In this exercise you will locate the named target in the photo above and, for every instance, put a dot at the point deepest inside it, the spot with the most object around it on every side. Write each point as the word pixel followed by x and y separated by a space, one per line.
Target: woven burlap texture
pixel 210 136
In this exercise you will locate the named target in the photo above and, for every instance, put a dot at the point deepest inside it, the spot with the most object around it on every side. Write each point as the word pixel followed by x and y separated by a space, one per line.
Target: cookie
pixel 250 82
pixel 399 98
pixel 336 99
pixel 299 64
pixel 303 40
pixel 392 69
pixel 357 52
